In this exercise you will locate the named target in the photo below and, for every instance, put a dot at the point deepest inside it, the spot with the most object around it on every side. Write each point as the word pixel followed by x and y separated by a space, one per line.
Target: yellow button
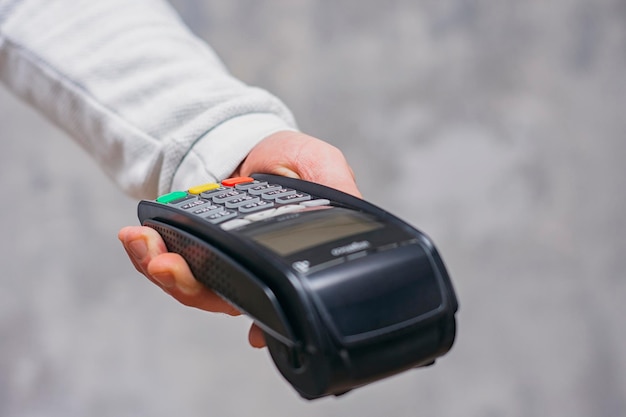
pixel 198 189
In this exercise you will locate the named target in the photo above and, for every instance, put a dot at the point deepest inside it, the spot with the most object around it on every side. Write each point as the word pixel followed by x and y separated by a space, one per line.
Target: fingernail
pixel 165 279
pixel 138 248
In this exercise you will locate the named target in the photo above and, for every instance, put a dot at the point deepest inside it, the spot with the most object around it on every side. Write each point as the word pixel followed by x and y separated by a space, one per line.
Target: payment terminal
pixel 345 293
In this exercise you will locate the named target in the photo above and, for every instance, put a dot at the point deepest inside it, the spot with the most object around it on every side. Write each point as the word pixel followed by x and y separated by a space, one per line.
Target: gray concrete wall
pixel 496 127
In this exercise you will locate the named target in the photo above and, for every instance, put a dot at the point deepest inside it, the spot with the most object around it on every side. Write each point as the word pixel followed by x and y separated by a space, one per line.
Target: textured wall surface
pixel 496 127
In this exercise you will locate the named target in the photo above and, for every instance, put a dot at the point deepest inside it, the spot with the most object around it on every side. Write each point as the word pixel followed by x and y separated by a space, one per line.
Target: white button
pixel 315 203
pixel 260 215
pixel 233 224
pixel 287 209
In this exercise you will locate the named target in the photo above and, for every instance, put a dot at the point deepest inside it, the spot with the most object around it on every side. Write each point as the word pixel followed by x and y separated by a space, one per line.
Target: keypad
pixel 239 201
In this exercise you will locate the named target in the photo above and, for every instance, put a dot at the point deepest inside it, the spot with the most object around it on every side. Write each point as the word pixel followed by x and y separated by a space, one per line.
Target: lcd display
pixel 312 229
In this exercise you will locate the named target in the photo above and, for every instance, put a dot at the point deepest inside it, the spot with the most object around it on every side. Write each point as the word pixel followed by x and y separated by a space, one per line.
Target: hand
pixel 290 154
pixel 296 155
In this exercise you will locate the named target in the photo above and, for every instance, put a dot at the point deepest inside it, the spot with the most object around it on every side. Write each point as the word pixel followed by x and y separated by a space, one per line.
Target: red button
pixel 230 182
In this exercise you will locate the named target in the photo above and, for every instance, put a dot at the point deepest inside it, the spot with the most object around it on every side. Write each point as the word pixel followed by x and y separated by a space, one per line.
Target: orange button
pixel 230 182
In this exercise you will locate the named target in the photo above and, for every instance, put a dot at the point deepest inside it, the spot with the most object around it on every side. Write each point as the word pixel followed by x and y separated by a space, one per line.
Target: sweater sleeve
pixel 133 86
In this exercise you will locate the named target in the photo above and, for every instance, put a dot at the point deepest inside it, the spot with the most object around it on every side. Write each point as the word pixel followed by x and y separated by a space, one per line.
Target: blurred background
pixel 498 128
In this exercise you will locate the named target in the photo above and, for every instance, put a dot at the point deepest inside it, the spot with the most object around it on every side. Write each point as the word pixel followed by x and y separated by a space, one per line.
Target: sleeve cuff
pixel 218 153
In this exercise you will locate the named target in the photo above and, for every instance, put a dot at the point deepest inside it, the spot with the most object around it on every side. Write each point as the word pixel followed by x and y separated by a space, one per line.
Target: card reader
pixel 346 293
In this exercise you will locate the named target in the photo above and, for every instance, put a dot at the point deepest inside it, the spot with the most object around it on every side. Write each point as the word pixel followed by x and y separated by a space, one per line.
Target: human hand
pixel 287 153
pixel 296 155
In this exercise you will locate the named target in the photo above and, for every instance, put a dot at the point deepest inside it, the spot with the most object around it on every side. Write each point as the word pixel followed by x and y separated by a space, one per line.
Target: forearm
pixel 126 79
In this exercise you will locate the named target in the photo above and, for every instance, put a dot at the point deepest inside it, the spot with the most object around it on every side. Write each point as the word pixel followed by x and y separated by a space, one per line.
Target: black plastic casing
pixel 330 329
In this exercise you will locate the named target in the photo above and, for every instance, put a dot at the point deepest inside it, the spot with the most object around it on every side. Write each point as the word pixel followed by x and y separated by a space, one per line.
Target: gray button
pixel 184 200
pixel 260 189
pixel 281 192
pixel 247 185
pixel 211 193
pixel 293 198
pixel 231 194
pixel 188 205
pixel 241 201
pixel 207 209
pixel 221 216
pixel 259 205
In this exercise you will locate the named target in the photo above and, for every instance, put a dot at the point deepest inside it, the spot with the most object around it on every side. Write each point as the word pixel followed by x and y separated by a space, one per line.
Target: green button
pixel 168 198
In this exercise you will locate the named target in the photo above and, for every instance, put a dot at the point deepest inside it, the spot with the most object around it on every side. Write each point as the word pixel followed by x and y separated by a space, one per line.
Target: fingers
pixel 173 275
pixel 142 244
pixel 255 337
pixel 169 271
